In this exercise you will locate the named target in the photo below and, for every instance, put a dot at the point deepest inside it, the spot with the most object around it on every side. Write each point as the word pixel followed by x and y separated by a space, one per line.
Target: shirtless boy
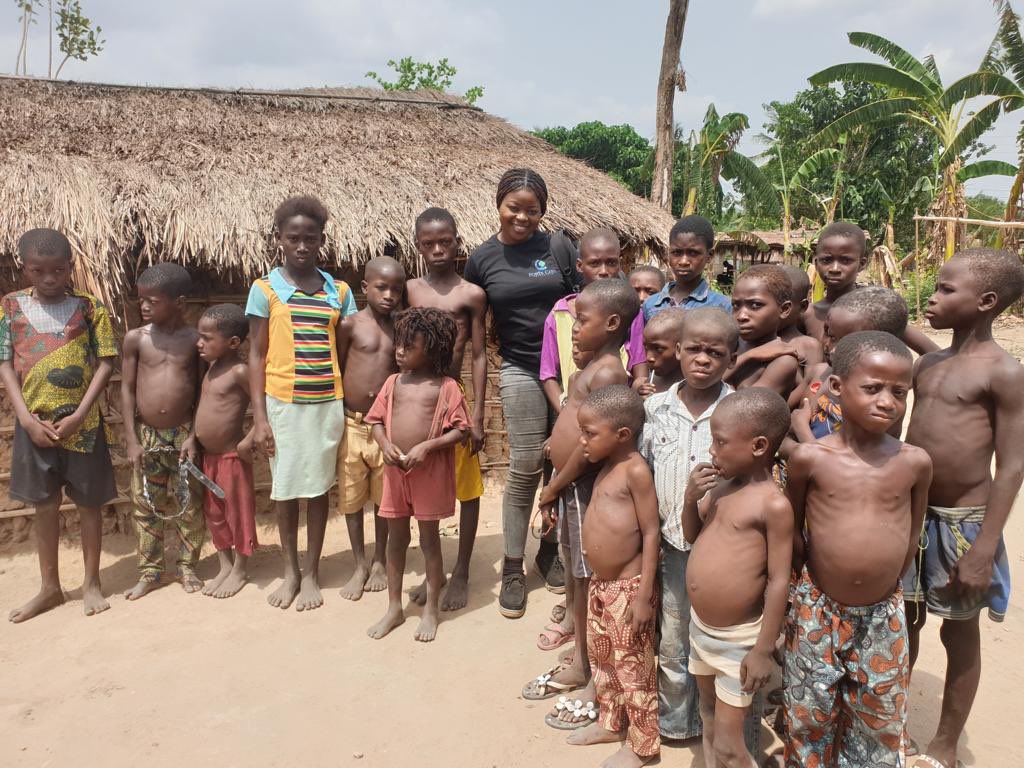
pixel 969 405
pixel 605 309
pixel 661 343
pixel 808 348
pixel 737 577
pixel 366 354
pixel 227 457
pixel 437 240
pixel 622 539
pixel 160 377
pixel 862 494
pixel 761 303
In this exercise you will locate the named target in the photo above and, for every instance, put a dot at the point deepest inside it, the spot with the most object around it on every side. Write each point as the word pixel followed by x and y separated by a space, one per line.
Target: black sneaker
pixel 552 570
pixel 512 598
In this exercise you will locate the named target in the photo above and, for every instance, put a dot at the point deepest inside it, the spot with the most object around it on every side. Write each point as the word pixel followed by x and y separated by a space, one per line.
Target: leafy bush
pixel 928 275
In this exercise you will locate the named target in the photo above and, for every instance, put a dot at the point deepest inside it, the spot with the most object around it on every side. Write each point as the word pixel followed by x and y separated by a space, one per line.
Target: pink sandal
pixel 553 637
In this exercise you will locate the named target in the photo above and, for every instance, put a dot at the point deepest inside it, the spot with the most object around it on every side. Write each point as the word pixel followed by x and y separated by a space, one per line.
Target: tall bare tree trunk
pixel 1008 238
pixel 950 202
pixel 669 78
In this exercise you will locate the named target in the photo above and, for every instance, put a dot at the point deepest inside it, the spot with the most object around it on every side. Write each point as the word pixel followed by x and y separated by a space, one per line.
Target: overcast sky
pixel 541 62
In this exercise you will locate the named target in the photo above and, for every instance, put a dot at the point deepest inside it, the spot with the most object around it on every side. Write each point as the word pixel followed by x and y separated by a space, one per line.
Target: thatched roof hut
pixel 139 174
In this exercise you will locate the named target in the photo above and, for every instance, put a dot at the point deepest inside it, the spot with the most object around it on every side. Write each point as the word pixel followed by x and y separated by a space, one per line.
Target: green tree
pixel 618 150
pixel 78 40
pixel 413 75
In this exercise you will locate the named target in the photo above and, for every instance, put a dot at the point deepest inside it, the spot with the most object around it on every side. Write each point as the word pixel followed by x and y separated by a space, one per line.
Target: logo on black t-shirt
pixel 542 269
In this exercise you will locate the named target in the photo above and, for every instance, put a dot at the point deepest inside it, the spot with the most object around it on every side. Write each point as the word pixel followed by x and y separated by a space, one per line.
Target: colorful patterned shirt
pixel 302 355
pixel 55 348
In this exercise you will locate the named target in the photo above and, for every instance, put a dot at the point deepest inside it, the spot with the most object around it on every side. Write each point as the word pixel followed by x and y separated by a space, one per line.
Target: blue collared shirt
pixel 702 296
pixel 258 306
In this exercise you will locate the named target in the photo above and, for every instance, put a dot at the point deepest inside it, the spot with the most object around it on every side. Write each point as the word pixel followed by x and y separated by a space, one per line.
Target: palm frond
pixel 975 127
pixel 879 74
pixel 821 161
pixel 979 84
pixel 985 168
pixel 896 56
pixel 1010 41
pixel 874 112
pixel 746 175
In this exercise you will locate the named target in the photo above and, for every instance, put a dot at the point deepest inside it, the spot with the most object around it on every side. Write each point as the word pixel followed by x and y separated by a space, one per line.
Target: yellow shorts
pixel 469 480
pixel 360 466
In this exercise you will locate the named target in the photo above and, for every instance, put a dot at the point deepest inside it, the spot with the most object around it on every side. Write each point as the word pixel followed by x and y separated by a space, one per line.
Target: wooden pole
pixel 977 222
pixel 917 267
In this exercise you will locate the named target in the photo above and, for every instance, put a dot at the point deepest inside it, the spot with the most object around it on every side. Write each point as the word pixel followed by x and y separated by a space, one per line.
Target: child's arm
pixel 574 467
pixel 550 365
pixel 190 446
pixel 797 476
pixel 478 348
pixel 645 501
pixel 972 574
pixel 922 464
pixel 343 339
pixel 69 425
pixel 419 452
pixel 765 353
pixel 756 667
pixel 703 478
pixel 245 445
pixel 389 450
pixel 780 375
pixel 41 433
pixel 553 392
pixel 129 373
pixel 918 342
pixel 259 335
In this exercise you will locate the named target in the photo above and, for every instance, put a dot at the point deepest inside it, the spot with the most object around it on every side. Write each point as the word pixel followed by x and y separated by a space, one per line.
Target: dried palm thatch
pixel 137 174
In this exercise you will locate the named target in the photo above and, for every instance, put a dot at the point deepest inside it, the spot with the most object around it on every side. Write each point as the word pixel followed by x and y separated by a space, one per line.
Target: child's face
pixel 646 284
pixel 687 257
pixel 704 355
pixel 48 273
pixel 734 449
pixel 157 307
pixel 438 244
pixel 383 289
pixel 956 300
pixel 598 261
pixel 580 358
pixel 213 344
pixel 756 311
pixel 662 348
pixel 593 326
pixel 412 356
pixel 599 437
pixel 300 240
pixel 840 323
pixel 874 394
pixel 838 260
pixel 520 214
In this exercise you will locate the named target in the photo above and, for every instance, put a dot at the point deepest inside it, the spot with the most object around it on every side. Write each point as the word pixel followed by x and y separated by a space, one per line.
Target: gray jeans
pixel 528 419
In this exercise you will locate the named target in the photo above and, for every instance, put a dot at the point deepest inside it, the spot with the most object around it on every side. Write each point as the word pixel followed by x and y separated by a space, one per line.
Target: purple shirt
pixel 550 367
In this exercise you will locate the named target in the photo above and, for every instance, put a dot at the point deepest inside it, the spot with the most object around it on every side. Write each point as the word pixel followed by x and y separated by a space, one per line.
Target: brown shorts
pixel 37 474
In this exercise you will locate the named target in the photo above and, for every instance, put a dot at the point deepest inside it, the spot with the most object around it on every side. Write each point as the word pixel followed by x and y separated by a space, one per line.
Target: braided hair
pixel 438 330
pixel 515 179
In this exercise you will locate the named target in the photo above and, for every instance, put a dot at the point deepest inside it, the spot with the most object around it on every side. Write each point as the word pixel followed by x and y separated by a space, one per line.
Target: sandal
pixel 583 714
pixel 927 761
pixel 543 687
pixel 553 637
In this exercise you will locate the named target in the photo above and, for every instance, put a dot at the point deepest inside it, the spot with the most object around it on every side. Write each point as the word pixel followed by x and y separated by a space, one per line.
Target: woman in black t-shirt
pixel 523 281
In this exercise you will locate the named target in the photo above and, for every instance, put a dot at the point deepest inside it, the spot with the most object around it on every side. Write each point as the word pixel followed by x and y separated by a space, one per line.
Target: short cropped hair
pixel 719 319
pixel 1000 272
pixel 616 297
pixel 515 179
pixel 383 264
pixel 599 235
pixel 618 405
pixel 302 205
pixel 762 411
pixel 653 270
pixel 697 226
pixel 438 329
pixel 171 280
pixel 44 242
pixel 229 320
pixel 845 229
pixel 671 319
pixel 853 348
pixel 799 280
pixel 774 278
pixel 436 214
pixel 882 307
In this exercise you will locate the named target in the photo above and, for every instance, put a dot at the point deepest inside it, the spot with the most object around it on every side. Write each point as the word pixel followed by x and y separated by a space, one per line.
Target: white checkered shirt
pixel 674 442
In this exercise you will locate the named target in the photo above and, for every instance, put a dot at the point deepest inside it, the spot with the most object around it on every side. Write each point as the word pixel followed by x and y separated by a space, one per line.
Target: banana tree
pixel 914 91
pixel 823 161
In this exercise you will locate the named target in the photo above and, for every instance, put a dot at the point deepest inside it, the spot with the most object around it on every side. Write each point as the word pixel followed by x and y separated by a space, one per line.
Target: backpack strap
pixel 565 255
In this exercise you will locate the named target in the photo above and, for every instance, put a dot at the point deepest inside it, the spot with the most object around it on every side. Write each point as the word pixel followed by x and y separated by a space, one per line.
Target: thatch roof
pixel 193 175
pixel 767 240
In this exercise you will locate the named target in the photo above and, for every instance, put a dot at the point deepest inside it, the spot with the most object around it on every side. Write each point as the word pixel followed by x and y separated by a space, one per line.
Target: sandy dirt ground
pixel 186 680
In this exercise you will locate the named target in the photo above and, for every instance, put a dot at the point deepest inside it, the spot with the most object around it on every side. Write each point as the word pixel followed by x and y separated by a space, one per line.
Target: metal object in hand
pixel 197 473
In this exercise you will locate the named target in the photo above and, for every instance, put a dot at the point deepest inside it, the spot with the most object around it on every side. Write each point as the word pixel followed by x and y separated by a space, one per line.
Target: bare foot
pixel 378 580
pixel 593 734
pixel 225 569
pixel 283 596
pixel 353 590
pixel 44 601
pixel 190 582
pixel 626 758
pixel 427 630
pixel 309 594
pixel 143 588
pixel 93 601
pixel 457 594
pixel 232 585
pixel 393 618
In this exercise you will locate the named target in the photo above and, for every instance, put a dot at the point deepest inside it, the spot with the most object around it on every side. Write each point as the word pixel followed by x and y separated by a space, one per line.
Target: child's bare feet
pixel 283 596
pixel 418 595
pixel 378 580
pixel 626 758
pixel 143 588
pixel 232 585
pixel 226 565
pixel 393 618
pixel 594 734
pixel 457 594
pixel 427 630
pixel 353 590
pixel 93 601
pixel 309 594
pixel 190 582
pixel 44 601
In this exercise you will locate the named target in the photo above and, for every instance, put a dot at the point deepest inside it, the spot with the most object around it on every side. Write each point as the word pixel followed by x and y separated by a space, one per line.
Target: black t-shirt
pixel 522 283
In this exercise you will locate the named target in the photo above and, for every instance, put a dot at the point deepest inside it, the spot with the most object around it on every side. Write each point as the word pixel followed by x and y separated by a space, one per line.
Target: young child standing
pixel 296 386
pixel 646 280
pixel 862 494
pixel 969 405
pixel 661 343
pixel 418 418
pixel 57 353
pixel 621 535
pixel 737 577
pixel 366 354
pixel 808 349
pixel 437 240
pixel 226 461
pixel 160 377
pixel 691 244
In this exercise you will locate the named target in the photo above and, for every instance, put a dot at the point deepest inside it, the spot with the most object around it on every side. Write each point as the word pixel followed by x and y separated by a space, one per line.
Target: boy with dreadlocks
pixel 159 389
pixel 418 418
